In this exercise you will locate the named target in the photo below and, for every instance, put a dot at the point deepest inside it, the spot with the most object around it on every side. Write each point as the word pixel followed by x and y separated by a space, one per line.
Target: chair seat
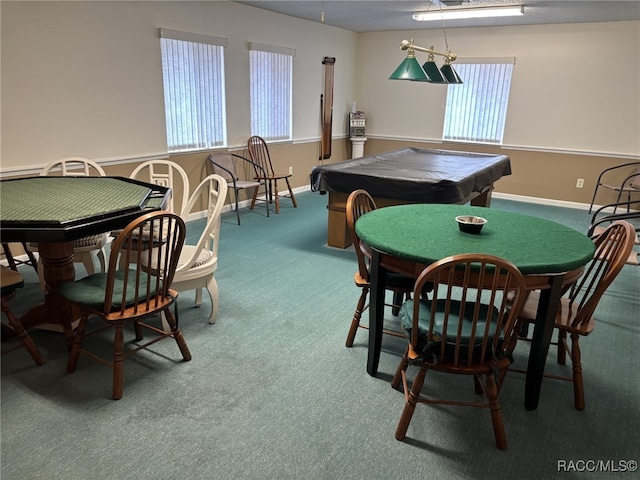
pixel 10 280
pixel 204 257
pixel 90 290
pixel 243 184
pixel 620 188
pixel 564 317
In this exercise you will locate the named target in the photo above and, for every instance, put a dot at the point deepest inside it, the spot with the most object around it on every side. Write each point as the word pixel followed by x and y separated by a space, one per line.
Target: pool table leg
pixel 484 199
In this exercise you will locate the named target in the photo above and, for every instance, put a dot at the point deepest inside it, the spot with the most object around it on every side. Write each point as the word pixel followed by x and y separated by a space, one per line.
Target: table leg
pixel 542 333
pixel 57 262
pixel 376 312
pixel 484 199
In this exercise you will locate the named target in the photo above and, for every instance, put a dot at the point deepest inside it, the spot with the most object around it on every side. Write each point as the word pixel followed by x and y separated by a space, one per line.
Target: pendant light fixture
pixel 429 72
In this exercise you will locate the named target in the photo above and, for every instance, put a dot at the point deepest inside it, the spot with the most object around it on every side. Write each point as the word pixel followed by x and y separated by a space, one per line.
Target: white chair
pixel 167 174
pixel 83 248
pixel 198 262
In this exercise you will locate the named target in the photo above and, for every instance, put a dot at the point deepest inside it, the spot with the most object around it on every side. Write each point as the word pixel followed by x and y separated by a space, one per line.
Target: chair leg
pixel 177 335
pixel 275 195
pixel 578 386
pixel 22 334
pixel 410 404
pixel 477 384
pixel 118 363
pixel 72 363
pixel 355 322
pixel 235 194
pixel 398 298
pixel 87 261
pixel 402 367
pixel 491 389
pixel 293 198
pixel 214 295
pixel 562 347
pixel 254 197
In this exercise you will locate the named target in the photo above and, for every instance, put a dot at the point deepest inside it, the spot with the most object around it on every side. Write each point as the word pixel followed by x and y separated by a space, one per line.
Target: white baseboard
pixel 542 201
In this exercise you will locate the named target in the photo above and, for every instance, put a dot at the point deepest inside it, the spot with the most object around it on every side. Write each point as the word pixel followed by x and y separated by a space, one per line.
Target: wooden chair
pixel 224 164
pixel 575 314
pixel 467 327
pixel 198 262
pixel 83 248
pixel 259 154
pixel 131 295
pixel 602 218
pixel 11 280
pixel 630 184
pixel 360 202
pixel 15 262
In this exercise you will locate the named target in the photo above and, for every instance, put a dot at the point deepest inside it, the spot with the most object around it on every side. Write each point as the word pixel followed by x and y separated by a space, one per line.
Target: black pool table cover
pixel 414 175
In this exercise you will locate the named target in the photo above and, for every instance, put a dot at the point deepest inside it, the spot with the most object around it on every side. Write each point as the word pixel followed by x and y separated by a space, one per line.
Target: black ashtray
pixel 470 223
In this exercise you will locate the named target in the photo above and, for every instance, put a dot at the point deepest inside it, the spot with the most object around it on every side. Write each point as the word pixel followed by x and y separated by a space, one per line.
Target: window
pixel 476 110
pixel 194 100
pixel 271 72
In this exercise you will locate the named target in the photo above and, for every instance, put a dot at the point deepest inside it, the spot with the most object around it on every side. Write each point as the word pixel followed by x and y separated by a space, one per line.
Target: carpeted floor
pixel 272 392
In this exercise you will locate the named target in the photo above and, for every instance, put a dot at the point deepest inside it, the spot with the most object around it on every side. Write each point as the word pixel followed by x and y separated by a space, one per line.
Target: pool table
pixel 407 175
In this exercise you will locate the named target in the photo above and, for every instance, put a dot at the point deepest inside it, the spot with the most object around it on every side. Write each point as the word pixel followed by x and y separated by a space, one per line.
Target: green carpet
pixel 272 392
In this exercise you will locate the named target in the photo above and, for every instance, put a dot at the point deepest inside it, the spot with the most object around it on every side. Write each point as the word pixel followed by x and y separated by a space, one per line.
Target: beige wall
pixel 542 175
pixel 83 79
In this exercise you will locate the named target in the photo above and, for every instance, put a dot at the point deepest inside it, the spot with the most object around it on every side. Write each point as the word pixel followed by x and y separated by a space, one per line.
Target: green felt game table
pixel 407 238
pixel 55 211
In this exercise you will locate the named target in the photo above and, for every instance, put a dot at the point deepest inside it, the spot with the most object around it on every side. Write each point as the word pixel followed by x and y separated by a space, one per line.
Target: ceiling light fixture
pixel 410 69
pixel 461 13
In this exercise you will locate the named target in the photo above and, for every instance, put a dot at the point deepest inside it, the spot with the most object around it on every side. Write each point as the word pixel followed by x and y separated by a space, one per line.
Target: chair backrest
pixel 635 179
pixel 224 165
pixel 613 247
pixel 259 154
pixel 359 202
pixel 135 288
pixel 478 289
pixel 167 174
pixel 209 196
pixel 73 166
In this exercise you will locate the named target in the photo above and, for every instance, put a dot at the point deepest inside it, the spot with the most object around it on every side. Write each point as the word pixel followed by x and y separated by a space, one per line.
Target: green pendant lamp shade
pixel 433 72
pixel 409 69
pixel 450 74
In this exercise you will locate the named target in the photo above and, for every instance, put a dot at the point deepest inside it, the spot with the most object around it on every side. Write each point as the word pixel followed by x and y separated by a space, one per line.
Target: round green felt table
pixel 425 233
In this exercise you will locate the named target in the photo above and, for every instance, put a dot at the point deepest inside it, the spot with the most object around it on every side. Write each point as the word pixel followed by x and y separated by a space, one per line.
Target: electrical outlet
pixel 580 183
pixel 290 170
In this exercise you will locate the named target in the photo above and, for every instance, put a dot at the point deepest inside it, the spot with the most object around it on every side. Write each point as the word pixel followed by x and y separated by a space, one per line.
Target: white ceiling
pixel 378 15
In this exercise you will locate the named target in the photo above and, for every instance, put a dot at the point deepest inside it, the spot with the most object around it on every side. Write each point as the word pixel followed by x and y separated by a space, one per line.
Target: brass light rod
pixel 408 45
